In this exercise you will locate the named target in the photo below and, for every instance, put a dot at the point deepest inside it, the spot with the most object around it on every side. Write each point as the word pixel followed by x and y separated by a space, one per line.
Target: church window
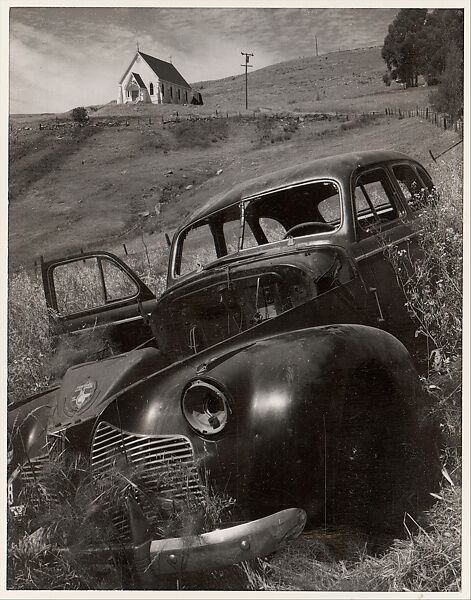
pixel 151 88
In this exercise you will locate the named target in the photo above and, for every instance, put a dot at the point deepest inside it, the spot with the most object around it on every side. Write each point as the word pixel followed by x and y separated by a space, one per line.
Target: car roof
pixel 329 167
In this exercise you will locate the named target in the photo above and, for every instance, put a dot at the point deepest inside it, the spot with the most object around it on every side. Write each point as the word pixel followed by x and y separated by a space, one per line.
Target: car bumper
pixel 212 550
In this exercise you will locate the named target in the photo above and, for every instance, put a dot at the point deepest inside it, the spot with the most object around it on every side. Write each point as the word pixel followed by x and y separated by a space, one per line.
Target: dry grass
pixel 427 561
pixel 70 507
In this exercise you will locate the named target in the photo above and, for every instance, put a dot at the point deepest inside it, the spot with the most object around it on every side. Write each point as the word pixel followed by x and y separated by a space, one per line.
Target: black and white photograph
pixel 235 240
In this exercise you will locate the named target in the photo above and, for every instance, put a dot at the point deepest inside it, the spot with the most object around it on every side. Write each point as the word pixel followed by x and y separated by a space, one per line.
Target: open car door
pixel 98 291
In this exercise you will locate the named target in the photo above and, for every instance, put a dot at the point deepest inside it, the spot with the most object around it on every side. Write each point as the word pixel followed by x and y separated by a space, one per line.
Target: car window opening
pixel 299 211
pixel 415 185
pixel 239 300
pixel 374 201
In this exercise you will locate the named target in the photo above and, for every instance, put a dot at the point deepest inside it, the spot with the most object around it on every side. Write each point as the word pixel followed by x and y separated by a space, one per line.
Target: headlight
pixel 205 407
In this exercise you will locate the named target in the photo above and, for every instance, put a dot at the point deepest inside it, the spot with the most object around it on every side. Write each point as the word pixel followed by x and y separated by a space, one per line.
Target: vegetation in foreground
pixel 427 560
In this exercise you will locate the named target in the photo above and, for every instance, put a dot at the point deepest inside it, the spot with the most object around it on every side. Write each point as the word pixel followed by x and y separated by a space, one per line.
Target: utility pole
pixel 247 58
pixel 317 53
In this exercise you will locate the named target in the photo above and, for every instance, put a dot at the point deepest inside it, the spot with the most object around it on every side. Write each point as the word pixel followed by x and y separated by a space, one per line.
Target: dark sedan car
pixel 277 378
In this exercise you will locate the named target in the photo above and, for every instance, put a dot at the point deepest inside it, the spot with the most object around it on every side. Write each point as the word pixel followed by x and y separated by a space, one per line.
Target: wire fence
pixel 438 119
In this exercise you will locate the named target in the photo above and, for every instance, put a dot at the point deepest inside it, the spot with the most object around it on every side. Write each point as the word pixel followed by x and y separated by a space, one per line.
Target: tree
pixel 449 96
pixel 443 28
pixel 401 50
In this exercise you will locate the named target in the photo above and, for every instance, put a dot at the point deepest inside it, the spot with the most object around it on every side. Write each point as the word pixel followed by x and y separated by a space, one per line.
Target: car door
pixel 97 291
pixel 381 222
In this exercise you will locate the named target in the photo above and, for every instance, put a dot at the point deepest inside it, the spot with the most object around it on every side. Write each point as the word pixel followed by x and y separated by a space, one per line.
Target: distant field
pixel 73 188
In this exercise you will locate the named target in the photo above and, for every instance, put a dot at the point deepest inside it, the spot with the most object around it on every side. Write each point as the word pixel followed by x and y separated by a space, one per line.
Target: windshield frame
pixel 242 203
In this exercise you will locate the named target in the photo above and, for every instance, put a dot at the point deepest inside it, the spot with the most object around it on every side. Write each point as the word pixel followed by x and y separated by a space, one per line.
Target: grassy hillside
pixel 344 81
pixel 73 187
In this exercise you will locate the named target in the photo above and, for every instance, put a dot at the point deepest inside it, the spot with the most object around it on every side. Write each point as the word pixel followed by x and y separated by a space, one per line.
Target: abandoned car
pixel 277 376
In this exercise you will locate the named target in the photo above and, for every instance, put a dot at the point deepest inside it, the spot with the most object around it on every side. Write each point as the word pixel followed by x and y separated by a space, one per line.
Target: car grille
pixel 161 470
pixel 32 469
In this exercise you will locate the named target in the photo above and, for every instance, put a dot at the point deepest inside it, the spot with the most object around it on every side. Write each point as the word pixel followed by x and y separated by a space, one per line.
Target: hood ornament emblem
pixel 82 395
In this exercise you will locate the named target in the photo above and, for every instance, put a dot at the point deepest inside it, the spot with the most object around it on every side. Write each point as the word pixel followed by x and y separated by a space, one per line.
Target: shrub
pixel 387 78
pixel 79 114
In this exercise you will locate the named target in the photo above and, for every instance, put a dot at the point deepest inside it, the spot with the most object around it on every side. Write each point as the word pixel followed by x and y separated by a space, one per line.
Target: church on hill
pixel 151 80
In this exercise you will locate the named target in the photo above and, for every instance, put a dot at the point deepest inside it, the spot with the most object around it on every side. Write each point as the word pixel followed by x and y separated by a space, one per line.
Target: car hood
pixel 86 388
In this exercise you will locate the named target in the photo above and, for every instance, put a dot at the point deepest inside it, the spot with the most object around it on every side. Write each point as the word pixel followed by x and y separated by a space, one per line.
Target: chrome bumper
pixel 212 550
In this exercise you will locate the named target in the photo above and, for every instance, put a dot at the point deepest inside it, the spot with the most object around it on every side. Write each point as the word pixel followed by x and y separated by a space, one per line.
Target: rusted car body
pixel 278 375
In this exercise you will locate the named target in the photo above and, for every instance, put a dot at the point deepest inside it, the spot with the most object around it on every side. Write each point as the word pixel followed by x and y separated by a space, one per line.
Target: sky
pixel 66 57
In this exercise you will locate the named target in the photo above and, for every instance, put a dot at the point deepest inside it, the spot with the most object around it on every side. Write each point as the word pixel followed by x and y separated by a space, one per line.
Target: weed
pixel 432 285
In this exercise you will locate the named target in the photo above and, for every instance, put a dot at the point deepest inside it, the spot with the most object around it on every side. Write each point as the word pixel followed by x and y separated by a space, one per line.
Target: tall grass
pixel 71 507
pixel 428 560
pixel 29 342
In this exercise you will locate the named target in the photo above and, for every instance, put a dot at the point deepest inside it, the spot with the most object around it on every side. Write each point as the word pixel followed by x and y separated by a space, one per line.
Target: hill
pixel 89 187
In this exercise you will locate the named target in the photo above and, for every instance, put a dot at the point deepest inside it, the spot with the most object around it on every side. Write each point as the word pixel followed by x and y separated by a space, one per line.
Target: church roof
pixel 139 81
pixel 164 70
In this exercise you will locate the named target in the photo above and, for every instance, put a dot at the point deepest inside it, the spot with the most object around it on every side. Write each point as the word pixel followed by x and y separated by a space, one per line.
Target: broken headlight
pixel 205 407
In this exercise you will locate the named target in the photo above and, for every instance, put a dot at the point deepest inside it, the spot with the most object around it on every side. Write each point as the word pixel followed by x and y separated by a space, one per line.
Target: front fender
pixel 27 427
pixel 286 394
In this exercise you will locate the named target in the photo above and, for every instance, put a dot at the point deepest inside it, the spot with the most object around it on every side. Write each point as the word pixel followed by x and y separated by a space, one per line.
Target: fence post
pixel 426 113
pixel 444 123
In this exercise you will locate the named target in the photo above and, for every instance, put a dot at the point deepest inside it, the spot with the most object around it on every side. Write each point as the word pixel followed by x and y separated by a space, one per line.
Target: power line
pixel 246 65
